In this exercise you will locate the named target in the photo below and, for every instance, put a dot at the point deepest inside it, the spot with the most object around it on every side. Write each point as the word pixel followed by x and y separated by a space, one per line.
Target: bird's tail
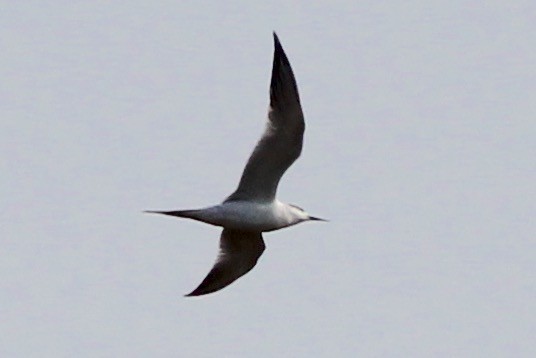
pixel 190 214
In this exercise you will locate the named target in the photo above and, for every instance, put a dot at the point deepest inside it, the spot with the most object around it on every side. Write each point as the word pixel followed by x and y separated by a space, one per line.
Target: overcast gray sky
pixel 420 147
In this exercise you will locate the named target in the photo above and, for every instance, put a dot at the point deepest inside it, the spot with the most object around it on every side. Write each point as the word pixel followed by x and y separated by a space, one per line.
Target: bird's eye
pixel 297 207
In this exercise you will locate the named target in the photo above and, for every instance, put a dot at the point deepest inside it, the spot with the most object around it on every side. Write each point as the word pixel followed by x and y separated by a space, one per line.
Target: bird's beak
pixel 316 219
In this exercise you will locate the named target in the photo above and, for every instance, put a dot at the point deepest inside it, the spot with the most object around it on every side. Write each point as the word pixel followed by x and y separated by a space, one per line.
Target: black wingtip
pixel 283 88
pixel 276 39
pixel 194 293
pixel 197 292
pixel 202 289
pixel 278 49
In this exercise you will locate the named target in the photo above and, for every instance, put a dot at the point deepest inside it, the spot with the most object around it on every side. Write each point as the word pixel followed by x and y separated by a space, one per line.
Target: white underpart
pixel 252 216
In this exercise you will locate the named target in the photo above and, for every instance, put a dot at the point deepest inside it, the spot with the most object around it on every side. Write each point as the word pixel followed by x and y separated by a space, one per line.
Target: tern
pixel 253 208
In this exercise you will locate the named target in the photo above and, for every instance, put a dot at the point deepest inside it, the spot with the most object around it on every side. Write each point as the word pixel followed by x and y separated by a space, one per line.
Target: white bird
pixel 253 208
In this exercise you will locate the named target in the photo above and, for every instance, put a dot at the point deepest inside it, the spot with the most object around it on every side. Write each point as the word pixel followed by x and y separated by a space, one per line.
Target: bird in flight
pixel 253 208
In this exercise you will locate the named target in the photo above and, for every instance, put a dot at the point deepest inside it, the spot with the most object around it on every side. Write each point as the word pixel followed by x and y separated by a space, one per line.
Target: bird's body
pixel 245 215
pixel 253 208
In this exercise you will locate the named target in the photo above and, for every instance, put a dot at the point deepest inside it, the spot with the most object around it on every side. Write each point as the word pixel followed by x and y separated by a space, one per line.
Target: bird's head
pixel 302 215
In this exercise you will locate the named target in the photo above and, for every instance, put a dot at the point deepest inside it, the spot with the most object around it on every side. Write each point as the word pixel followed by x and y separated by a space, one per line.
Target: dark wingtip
pixel 193 293
pixel 283 86
pixel 197 292
pixel 278 49
pixel 276 39
pixel 202 289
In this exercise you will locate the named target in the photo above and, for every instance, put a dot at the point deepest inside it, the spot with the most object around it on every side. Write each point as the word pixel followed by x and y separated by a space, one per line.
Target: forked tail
pixel 189 214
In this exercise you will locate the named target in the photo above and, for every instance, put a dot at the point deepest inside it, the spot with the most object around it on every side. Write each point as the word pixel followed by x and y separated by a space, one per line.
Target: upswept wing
pixel 281 142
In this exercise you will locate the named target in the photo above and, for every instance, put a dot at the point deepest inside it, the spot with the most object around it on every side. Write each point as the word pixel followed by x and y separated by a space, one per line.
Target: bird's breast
pixel 248 216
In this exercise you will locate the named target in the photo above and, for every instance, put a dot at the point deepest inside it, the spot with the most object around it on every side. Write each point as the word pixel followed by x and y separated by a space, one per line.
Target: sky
pixel 420 148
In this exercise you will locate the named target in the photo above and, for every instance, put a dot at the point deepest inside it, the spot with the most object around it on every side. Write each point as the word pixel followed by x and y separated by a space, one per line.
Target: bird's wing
pixel 281 142
pixel 239 252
